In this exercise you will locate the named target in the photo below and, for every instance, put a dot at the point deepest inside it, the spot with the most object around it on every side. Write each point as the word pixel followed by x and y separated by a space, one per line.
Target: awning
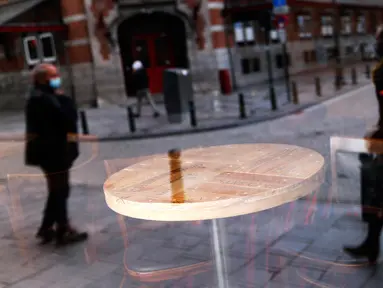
pixel 15 8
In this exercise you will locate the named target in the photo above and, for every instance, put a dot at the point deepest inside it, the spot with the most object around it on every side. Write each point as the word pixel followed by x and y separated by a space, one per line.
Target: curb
pixel 239 123
pixel 236 124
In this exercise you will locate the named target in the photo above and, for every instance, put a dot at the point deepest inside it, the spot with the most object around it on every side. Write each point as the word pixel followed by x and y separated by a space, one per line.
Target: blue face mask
pixel 55 83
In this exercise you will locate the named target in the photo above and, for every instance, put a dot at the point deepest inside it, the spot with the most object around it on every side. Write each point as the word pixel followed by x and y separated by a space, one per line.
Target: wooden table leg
pixel 218 237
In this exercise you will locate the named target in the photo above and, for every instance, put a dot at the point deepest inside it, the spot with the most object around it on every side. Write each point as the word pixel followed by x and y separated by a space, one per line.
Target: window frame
pixel 48 35
pixel 327 25
pixel 358 17
pixel 302 30
pixel 343 22
pixel 244 26
pixel 27 53
pixel 276 39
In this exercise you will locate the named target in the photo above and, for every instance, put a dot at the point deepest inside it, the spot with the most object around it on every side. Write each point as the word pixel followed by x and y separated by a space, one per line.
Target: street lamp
pixel 338 67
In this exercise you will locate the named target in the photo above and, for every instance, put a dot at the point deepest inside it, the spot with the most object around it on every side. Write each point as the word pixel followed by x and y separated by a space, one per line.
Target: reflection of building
pixel 32 31
pixel 310 30
pixel 102 38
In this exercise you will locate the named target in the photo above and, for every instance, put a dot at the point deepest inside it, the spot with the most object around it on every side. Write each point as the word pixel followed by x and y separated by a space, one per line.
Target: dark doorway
pixel 158 40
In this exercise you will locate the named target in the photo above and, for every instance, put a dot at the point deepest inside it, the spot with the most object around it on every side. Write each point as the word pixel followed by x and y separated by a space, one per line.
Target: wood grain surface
pixel 218 182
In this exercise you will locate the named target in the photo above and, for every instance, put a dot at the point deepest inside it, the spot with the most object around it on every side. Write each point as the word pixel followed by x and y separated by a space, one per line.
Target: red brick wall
pixel 219 38
pixel 45 12
pixel 77 30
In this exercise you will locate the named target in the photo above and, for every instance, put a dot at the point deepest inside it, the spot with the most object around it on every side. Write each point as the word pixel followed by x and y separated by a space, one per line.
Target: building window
pixel 245 64
pixel 274 37
pixel 346 25
pixel 250 65
pixel 39 48
pixel 256 65
pixel 331 53
pixel 309 56
pixel 31 50
pixel 304 26
pixel 327 29
pixel 244 33
pixel 48 47
pixel 349 50
pixel 279 61
pixel 361 24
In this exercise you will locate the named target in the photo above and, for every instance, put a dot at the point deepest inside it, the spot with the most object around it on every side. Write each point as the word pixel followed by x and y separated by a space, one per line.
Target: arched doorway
pixel 157 39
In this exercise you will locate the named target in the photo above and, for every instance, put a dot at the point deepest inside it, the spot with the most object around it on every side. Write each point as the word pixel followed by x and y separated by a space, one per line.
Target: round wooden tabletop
pixel 214 182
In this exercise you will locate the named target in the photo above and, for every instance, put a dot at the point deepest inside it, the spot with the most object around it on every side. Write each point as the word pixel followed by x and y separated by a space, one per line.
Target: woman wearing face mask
pixel 50 118
pixel 370 248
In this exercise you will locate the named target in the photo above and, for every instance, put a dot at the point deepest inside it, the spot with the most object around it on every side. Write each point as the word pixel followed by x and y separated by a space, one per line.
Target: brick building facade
pixel 215 39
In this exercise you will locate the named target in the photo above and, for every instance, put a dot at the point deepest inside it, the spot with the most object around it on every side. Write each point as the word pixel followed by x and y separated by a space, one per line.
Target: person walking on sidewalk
pixel 51 129
pixel 141 85
pixel 370 248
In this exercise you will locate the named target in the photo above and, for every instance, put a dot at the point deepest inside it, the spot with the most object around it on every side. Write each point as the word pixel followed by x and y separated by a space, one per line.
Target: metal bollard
pixel 193 118
pixel 131 120
pixel 242 106
pixel 84 123
pixel 294 90
pixel 368 71
pixel 318 88
pixel 338 78
pixel 354 76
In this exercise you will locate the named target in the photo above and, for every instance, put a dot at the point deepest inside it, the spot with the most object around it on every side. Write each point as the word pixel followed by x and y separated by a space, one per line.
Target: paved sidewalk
pixel 217 112
pixel 110 121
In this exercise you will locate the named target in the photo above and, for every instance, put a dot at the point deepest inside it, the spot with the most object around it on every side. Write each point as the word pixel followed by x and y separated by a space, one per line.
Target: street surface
pixel 295 245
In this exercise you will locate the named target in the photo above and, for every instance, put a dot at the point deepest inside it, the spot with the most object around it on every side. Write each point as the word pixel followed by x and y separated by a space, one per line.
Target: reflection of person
pixel 51 118
pixel 370 248
pixel 141 85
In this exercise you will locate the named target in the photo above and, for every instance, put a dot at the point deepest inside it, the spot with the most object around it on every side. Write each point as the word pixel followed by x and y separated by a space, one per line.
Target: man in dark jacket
pixel 51 129
pixel 370 248
pixel 141 85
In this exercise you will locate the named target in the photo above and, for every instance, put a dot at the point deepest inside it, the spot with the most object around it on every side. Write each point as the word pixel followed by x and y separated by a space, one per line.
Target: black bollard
pixel 318 88
pixel 353 77
pixel 131 120
pixel 242 106
pixel 192 113
pixel 84 123
pixel 338 79
pixel 368 71
pixel 294 90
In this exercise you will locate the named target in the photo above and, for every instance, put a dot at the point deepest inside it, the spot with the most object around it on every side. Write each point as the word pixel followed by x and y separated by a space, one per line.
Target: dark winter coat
pixel 49 120
pixel 140 79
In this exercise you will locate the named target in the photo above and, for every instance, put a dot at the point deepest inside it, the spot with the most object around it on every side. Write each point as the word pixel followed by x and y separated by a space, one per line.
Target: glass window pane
pixel 238 32
pixel 32 49
pixel 256 65
pixel 274 34
pixel 301 21
pixel 245 64
pixel 249 31
pixel 48 46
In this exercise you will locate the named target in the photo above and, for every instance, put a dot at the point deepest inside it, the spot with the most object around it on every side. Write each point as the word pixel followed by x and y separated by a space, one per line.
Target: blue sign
pixel 279 3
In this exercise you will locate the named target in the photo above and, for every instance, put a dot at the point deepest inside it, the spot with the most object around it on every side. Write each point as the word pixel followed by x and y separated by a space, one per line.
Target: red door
pixel 155 52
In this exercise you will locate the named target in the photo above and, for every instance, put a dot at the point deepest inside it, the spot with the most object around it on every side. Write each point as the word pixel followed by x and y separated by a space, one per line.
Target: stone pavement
pixel 262 248
pixel 217 112
pixel 294 245
pixel 110 121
